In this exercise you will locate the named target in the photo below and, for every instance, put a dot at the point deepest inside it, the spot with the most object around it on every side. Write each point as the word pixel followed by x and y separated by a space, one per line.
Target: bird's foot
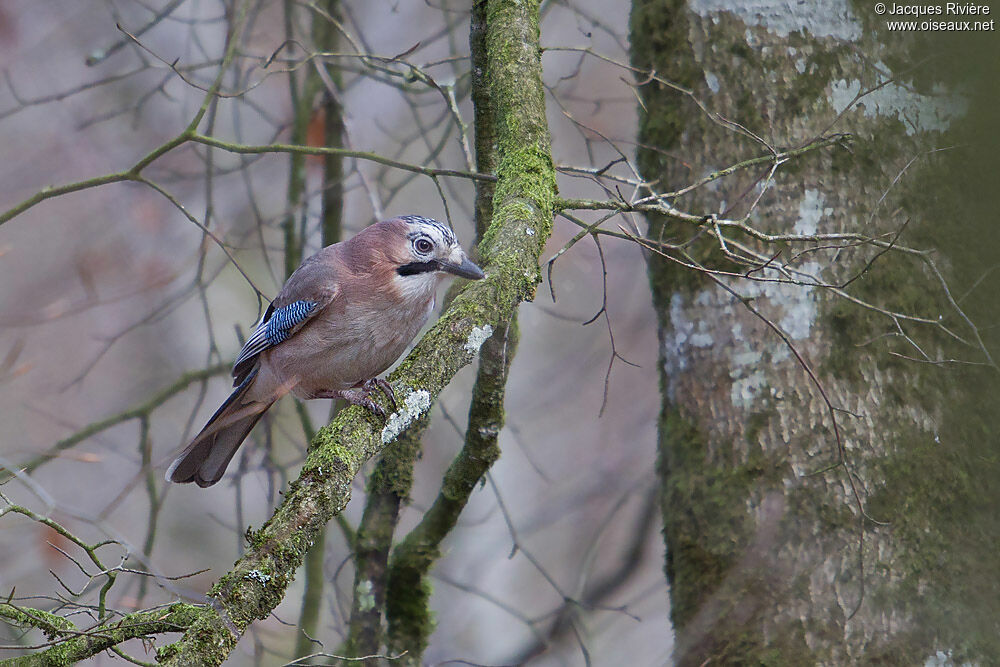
pixel 363 398
pixel 369 386
pixel 356 397
pixel 361 395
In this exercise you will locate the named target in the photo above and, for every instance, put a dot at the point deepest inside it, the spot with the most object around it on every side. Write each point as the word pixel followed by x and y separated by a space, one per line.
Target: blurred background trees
pixel 805 412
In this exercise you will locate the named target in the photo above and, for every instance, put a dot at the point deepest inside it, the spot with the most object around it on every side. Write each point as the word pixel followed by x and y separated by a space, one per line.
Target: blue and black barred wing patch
pixel 285 321
pixel 277 325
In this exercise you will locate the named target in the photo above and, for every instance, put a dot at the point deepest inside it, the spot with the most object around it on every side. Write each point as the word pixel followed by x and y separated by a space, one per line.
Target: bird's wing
pixel 277 325
pixel 310 289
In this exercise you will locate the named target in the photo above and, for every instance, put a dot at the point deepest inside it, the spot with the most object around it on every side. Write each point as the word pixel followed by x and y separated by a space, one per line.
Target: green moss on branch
pixel 74 645
pixel 388 488
pixel 522 222
pixel 408 611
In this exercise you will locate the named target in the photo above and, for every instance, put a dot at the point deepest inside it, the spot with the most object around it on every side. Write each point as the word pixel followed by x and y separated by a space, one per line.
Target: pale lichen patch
pixel 363 594
pixel 712 80
pixel 918 113
pixel 811 211
pixel 694 323
pixel 415 404
pixel 832 18
pixel 477 337
pixel 258 576
pixel 489 431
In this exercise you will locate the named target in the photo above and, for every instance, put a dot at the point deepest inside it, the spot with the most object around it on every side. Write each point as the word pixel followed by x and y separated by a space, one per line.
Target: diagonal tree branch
pixel 522 222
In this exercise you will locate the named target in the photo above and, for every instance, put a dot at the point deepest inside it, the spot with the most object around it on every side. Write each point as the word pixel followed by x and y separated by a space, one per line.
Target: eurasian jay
pixel 342 318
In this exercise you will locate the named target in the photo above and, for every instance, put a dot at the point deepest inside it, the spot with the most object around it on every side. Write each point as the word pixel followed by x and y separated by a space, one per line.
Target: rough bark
pixel 763 533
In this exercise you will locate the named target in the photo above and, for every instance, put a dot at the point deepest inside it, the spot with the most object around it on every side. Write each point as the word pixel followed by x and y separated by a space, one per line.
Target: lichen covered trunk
pixel 769 555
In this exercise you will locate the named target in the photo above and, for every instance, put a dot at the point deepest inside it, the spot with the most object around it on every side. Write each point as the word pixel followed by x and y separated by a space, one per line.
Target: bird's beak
pixel 463 268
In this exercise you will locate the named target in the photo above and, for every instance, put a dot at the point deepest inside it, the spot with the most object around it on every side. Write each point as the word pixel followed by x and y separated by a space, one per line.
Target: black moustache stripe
pixel 413 268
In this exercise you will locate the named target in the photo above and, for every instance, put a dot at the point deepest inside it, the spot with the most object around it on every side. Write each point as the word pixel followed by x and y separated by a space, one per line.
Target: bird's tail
pixel 204 461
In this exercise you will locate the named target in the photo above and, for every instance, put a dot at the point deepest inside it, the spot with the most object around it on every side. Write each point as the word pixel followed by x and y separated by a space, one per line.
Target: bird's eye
pixel 423 246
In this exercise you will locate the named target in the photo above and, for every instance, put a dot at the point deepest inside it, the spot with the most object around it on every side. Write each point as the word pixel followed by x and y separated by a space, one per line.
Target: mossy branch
pixel 388 489
pixel 483 122
pixel 70 644
pixel 408 610
pixel 522 222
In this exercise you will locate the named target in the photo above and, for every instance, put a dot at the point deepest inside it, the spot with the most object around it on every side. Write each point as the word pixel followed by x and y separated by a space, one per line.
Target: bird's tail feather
pixel 204 461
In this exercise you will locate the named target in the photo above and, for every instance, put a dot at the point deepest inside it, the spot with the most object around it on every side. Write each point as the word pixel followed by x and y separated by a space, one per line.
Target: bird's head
pixel 430 248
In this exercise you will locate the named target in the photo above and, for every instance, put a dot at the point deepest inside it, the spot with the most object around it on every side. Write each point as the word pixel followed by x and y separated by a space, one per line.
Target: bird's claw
pixel 386 388
pixel 361 398
pixel 371 405
pixel 362 395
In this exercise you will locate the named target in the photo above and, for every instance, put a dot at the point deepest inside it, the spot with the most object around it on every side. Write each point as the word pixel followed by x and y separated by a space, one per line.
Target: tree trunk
pixel 771 554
